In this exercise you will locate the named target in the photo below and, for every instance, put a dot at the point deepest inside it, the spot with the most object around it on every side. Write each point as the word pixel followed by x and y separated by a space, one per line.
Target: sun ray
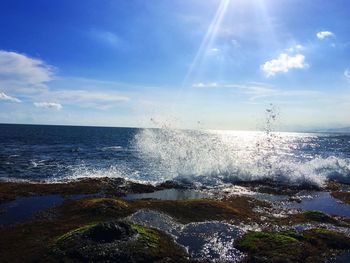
pixel 208 40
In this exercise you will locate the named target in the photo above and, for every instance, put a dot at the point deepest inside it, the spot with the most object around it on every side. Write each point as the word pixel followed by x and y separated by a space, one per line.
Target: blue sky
pixel 216 64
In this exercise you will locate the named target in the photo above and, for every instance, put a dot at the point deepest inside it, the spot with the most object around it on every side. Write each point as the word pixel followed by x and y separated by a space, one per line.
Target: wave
pixel 214 158
pixel 112 148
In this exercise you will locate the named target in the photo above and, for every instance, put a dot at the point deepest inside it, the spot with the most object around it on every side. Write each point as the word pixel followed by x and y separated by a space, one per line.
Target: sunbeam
pixel 208 40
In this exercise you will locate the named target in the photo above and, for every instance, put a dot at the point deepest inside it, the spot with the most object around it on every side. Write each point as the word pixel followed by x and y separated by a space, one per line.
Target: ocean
pixel 210 158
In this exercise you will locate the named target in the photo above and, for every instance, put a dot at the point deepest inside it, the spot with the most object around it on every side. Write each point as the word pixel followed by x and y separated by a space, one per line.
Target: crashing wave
pixel 218 157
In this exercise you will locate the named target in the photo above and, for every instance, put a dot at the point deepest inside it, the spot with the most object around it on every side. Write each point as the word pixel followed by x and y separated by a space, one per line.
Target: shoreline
pixel 11 189
pixel 263 216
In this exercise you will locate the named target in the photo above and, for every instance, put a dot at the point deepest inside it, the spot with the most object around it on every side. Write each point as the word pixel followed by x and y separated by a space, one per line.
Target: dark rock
pixel 290 246
pixel 109 232
pixel 294 199
pixel 117 242
pixel 318 216
pixel 171 184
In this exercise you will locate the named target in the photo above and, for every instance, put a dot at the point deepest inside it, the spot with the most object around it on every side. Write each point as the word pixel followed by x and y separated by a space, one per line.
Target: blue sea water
pixel 55 153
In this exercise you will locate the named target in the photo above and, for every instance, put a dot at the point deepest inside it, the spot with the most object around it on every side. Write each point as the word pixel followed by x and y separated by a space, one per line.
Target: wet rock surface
pixel 313 245
pixel 204 241
pixel 116 242
pixel 109 232
pixel 211 224
pixel 342 196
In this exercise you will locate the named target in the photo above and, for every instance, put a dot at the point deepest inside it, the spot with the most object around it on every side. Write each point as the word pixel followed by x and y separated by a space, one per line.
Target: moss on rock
pixel 318 216
pixel 236 209
pixel 124 243
pixel 73 232
pixel 291 246
pixel 147 234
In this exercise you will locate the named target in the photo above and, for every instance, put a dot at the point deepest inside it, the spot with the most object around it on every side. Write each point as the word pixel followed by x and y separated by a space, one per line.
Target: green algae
pixel 238 209
pixel 318 216
pixel 33 238
pixel 251 239
pixel 137 244
pixel 292 246
pixel 323 231
pixel 147 234
pixel 73 232
pixel 113 201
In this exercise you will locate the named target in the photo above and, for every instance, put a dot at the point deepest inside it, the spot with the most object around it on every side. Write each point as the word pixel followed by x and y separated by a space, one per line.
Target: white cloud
pixel 84 98
pixel 48 105
pixel 295 48
pixel 324 34
pixel 32 78
pixel 89 96
pixel 20 70
pixel 283 63
pixel 205 85
pixel 5 97
pixel 347 74
pixel 260 90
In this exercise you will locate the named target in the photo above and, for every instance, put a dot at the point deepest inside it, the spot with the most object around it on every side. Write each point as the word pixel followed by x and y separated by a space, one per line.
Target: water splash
pixel 212 241
pixel 217 157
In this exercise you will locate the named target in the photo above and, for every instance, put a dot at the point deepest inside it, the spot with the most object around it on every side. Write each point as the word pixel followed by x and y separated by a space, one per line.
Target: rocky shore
pixel 114 220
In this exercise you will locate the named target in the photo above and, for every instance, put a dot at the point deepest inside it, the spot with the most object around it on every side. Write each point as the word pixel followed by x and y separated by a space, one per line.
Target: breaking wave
pixel 217 157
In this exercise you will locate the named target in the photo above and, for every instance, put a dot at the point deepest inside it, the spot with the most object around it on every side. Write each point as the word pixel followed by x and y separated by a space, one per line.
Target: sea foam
pixel 216 157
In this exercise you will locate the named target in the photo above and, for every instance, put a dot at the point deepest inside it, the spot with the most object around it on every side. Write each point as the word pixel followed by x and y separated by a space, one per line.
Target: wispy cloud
pixel 106 37
pixel 347 74
pixel 88 98
pixel 324 34
pixel 32 78
pixel 235 43
pixel 295 48
pixel 205 85
pixel 48 105
pixel 5 97
pixel 283 64
pixel 18 70
pixel 260 90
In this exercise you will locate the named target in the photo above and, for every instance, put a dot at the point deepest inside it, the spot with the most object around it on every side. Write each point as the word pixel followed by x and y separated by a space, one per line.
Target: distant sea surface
pixel 55 153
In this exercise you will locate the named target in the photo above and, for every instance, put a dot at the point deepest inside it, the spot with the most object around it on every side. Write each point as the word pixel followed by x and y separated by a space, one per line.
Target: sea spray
pixel 216 157
pixel 155 155
pixel 265 152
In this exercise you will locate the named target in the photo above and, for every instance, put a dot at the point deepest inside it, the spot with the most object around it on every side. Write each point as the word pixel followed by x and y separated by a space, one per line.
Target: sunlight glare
pixel 208 39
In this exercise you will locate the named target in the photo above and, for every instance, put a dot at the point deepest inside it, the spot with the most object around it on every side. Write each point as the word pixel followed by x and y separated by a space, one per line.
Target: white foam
pixel 214 157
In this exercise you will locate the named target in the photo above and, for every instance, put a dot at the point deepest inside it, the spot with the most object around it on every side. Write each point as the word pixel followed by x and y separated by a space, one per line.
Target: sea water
pixel 55 153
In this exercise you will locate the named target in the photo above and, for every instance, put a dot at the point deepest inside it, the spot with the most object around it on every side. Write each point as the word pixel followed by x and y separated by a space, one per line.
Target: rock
pixel 342 196
pixel 290 246
pixel 110 232
pixel 318 216
pixel 295 199
pixel 117 241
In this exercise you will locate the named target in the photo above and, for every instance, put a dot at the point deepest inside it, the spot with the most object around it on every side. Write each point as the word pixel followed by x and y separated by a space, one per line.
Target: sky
pixel 213 64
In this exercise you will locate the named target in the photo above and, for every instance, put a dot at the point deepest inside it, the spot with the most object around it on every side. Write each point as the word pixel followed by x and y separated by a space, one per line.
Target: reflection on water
pixel 209 158
pixel 216 157
pixel 170 194
pixel 157 220
pixel 23 208
pixel 212 240
pixel 342 258
pixel 323 202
